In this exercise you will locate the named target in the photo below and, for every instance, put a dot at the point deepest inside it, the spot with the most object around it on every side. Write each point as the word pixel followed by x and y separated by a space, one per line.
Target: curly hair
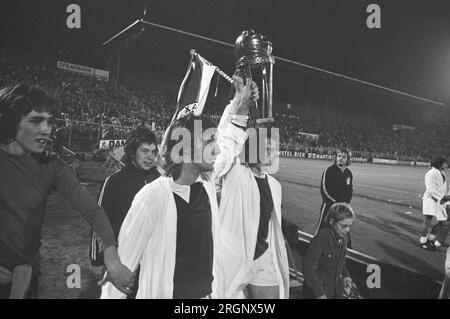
pixel 173 168
pixel 16 102
pixel 438 162
pixel 136 138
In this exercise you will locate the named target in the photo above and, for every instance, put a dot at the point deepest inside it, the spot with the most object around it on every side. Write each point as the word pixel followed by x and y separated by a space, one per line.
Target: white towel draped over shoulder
pixel 239 212
pixel 148 233
pixel 148 237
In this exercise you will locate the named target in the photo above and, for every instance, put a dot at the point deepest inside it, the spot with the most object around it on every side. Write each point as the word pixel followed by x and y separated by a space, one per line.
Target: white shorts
pixel 262 272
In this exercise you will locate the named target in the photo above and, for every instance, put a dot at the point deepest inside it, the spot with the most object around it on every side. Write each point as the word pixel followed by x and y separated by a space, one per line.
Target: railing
pixel 81 136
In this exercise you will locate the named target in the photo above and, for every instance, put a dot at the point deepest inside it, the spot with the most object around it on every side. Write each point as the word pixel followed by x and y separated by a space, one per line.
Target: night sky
pixel 411 51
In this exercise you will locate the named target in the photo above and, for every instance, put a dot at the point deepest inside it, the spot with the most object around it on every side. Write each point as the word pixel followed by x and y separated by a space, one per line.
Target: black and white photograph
pixel 242 151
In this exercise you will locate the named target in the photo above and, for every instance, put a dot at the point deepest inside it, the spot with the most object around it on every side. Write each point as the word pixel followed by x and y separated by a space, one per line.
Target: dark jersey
pixel 336 185
pixel 26 182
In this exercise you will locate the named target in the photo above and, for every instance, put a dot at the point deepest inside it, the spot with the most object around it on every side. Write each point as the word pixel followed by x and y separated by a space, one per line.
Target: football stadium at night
pixel 344 106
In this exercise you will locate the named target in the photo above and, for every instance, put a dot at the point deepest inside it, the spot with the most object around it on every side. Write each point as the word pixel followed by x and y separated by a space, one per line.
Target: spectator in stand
pixel 84 98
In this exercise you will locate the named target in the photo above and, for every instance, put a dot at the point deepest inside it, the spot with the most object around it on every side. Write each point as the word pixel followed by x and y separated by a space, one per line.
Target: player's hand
pixel 121 277
pixel 117 273
pixel 254 92
pixel 348 280
pixel 245 94
pixel 98 271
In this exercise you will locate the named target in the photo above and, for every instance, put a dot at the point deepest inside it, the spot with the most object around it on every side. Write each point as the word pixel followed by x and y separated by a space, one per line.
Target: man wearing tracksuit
pixel 119 189
pixel 336 185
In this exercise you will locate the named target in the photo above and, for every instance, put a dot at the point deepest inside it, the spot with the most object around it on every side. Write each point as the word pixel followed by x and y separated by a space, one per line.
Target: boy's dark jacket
pixel 324 265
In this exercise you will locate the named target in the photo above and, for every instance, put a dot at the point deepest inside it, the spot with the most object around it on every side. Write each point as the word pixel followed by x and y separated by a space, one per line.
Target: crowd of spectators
pixel 92 110
pixel 363 133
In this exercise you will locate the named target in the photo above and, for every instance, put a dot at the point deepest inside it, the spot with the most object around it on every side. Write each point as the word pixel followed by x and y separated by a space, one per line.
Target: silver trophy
pixel 254 59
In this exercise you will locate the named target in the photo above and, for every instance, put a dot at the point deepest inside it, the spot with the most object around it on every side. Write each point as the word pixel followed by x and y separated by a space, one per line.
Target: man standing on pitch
pixel 435 201
pixel 336 185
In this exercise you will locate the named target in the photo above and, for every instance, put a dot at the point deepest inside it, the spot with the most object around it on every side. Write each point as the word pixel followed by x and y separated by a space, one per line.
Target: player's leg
pixel 439 233
pixel 263 283
pixel 425 226
pixel 424 242
pixel 263 292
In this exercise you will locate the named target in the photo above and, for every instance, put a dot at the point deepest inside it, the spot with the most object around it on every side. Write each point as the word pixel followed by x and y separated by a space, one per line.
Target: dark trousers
pixel 323 215
pixel 440 229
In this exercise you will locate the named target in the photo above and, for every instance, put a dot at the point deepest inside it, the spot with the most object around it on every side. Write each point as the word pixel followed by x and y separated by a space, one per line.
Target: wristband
pixel 239 120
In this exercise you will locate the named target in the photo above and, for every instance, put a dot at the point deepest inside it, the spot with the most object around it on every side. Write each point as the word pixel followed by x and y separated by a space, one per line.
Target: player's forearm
pixel 111 257
pixel 21 280
pixel 232 137
pixel 100 224
pixel 71 189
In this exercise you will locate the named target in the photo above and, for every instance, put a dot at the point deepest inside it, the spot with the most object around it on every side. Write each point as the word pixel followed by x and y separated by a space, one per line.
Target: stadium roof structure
pixel 221 51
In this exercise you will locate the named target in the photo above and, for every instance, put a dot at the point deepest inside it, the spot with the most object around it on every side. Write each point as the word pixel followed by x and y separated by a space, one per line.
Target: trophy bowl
pixel 252 49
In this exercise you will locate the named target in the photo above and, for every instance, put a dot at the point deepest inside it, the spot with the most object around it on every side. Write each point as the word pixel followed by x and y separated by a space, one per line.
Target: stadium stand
pixel 92 110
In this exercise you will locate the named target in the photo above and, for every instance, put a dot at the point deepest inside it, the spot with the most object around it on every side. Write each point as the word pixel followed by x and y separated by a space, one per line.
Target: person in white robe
pixel 435 205
pixel 148 235
pixel 240 211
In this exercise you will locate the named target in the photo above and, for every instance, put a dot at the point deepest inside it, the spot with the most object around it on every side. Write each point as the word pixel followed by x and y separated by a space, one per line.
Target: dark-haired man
pixel 119 189
pixel 435 200
pixel 28 175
